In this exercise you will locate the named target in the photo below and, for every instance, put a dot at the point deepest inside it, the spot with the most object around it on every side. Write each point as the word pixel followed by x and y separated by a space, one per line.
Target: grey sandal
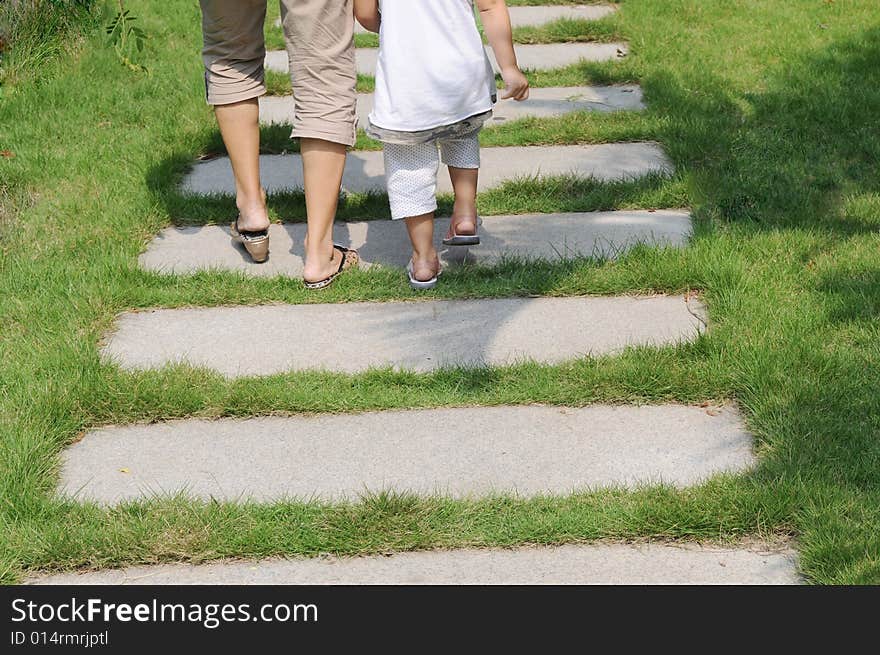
pixel 463 239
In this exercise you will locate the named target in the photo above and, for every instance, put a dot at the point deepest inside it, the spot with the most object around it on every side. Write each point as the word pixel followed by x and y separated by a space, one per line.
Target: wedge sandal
pixel 256 243
pixel 350 259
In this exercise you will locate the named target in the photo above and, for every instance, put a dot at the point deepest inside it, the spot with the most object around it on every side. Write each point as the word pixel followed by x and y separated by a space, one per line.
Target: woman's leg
pixel 323 164
pixel 320 46
pixel 240 126
pixel 233 55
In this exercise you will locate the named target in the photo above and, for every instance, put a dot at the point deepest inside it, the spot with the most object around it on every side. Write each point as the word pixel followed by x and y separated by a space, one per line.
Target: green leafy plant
pixel 126 39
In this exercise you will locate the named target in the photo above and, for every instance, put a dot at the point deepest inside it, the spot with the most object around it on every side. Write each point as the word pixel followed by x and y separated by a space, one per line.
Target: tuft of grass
pixel 35 32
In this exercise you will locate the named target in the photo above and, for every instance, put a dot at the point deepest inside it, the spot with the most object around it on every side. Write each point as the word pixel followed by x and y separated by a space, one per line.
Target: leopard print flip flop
pixel 350 259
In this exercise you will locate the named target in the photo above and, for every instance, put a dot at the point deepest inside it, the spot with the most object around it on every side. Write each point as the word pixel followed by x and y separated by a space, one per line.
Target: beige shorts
pixel 320 45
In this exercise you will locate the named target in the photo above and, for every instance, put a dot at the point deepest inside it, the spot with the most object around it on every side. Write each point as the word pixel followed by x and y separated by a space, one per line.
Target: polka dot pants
pixel 411 171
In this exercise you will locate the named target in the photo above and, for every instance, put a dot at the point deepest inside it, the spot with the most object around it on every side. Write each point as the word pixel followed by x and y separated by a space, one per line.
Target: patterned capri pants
pixel 411 171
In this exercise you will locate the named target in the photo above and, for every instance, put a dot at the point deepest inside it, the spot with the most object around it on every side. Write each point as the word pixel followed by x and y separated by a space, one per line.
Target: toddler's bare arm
pixel 496 23
pixel 367 14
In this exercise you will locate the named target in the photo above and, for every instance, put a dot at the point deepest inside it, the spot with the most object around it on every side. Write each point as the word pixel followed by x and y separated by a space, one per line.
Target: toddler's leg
pixel 411 175
pixel 462 156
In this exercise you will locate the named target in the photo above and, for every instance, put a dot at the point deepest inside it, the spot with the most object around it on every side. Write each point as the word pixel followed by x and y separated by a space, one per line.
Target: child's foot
pixel 462 232
pixel 423 273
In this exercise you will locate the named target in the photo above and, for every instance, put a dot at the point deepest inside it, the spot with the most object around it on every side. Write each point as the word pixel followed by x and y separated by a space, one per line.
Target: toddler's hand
pixel 516 85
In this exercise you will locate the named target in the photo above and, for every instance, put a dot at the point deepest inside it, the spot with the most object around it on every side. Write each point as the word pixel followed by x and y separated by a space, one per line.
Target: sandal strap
pixel 344 252
pixel 250 234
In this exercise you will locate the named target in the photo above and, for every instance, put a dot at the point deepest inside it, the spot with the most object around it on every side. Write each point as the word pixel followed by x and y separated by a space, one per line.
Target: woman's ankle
pixel 253 213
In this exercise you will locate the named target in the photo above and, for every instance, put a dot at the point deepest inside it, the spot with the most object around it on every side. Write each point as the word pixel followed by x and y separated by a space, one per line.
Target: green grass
pixel 559 31
pixel 771 113
pixel 33 32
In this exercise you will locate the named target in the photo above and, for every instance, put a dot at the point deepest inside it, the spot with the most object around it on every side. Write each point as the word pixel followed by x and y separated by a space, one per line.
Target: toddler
pixel 435 88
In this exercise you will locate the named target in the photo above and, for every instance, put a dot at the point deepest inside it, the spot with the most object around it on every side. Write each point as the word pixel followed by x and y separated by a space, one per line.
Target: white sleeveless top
pixel 432 69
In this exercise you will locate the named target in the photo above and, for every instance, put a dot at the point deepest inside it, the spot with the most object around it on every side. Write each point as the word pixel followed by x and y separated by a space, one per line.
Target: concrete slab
pixel 417 336
pixel 541 15
pixel 541 56
pixel 542 103
pixel 538 16
pixel 529 236
pixel 572 564
pixel 462 452
pixel 548 56
pixel 365 170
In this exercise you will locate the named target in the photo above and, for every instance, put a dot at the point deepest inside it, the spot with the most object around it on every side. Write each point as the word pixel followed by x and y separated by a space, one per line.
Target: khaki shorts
pixel 320 45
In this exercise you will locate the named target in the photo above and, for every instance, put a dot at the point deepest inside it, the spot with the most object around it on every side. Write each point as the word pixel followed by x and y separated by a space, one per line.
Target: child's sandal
pixel 462 239
pixel 421 285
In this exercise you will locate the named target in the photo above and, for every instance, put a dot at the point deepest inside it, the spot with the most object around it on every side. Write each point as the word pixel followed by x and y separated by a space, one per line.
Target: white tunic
pixel 432 69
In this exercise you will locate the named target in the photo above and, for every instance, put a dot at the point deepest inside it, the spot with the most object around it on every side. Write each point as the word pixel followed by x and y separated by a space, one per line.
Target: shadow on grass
pixel 852 297
pixel 788 156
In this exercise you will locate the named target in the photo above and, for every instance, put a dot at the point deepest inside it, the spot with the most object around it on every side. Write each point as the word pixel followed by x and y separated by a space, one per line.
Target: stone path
pixel 542 103
pixel 359 336
pixel 543 56
pixel 538 16
pixel 459 452
pixel 465 452
pixel 565 565
pixel 365 170
pixel 181 250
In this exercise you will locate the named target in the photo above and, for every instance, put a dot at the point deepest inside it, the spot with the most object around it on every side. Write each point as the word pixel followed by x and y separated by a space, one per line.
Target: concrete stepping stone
pixel 537 16
pixel 542 56
pixel 541 15
pixel 570 564
pixel 530 236
pixel 542 103
pixel 467 452
pixel 417 335
pixel 365 170
pixel 547 56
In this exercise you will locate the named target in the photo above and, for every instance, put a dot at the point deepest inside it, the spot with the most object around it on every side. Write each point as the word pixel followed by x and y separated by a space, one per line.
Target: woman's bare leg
pixel 240 127
pixel 323 164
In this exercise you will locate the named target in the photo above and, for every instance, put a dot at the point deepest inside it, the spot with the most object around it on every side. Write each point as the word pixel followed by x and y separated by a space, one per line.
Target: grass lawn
pixel 771 113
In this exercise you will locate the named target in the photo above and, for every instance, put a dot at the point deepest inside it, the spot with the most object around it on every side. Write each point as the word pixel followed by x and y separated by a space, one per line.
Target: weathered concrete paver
pixel 547 102
pixel 541 15
pixel 539 56
pixel 529 236
pixel 548 56
pixel 538 15
pixel 458 452
pixel 571 564
pixel 365 170
pixel 416 336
